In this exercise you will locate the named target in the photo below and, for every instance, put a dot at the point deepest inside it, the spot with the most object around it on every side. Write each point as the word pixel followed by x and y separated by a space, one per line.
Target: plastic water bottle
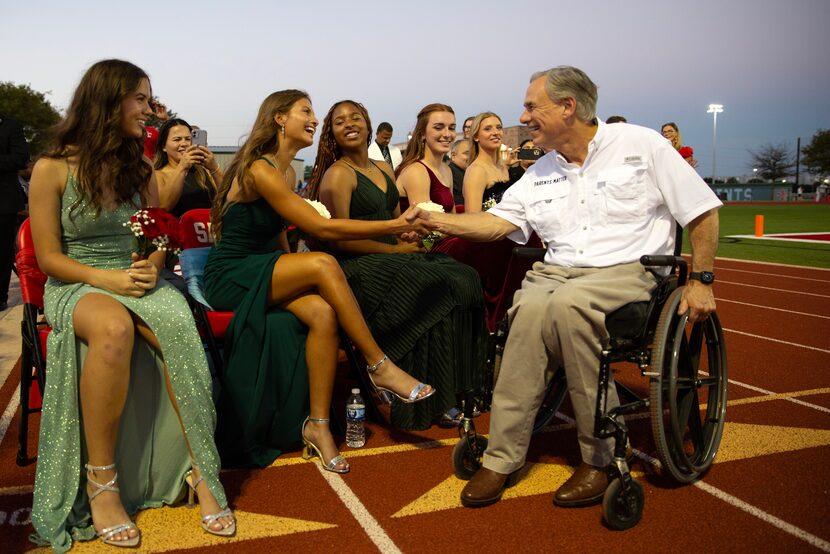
pixel 355 417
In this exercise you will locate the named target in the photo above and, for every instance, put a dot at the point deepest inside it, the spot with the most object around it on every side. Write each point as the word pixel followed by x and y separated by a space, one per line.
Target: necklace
pixel 357 167
pixel 284 171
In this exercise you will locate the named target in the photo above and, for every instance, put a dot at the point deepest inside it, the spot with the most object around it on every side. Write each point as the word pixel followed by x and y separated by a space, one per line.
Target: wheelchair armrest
pixel 667 261
pixel 527 252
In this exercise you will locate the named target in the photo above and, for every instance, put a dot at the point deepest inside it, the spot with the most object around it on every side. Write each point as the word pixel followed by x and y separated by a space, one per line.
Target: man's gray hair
pixel 456 144
pixel 565 81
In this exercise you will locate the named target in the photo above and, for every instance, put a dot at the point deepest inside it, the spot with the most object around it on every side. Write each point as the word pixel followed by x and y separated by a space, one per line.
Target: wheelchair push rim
pixel 691 361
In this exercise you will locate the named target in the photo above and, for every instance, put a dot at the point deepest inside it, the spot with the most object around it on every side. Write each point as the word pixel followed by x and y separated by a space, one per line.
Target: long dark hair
pixel 91 133
pixel 416 147
pixel 161 159
pixel 328 150
pixel 263 138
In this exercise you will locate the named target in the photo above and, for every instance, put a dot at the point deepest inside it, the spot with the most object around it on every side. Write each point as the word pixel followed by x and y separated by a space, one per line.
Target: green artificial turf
pixel 739 219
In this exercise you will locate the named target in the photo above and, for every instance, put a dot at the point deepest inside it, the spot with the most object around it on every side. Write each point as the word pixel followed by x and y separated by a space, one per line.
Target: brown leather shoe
pixel 485 488
pixel 584 488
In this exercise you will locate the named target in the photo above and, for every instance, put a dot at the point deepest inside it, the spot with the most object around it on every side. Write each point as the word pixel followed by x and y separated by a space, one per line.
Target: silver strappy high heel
pixel 108 533
pixel 311 449
pixel 386 395
pixel 209 519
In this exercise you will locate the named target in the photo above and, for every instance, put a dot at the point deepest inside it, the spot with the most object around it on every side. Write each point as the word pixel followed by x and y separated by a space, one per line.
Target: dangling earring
pixel 282 130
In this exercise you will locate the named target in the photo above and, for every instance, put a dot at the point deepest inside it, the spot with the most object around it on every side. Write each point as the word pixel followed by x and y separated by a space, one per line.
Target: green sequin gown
pixel 426 312
pixel 151 452
pixel 264 396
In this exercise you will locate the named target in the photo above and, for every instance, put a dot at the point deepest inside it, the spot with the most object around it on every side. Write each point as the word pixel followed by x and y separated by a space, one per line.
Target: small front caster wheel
pixel 466 457
pixel 623 510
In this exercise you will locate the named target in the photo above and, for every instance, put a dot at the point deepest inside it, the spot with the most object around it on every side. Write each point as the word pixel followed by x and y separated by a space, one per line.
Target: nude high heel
pixel 108 533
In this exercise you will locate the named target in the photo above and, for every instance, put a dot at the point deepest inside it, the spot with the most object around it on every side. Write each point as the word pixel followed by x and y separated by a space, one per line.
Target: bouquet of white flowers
pixel 320 207
pixel 489 203
pixel 430 240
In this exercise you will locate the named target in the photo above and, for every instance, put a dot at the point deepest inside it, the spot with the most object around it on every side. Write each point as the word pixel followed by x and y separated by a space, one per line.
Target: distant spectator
pixel 458 164
pixel 14 154
pixel 380 150
pixel 468 124
pixel 616 119
pixel 518 168
pixel 151 138
pixel 671 132
pixel 688 154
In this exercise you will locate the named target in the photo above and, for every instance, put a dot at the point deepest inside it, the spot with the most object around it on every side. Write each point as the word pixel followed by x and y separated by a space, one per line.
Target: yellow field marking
pixel 355 453
pixel 177 528
pixel 13 491
pixel 536 479
pixel 746 440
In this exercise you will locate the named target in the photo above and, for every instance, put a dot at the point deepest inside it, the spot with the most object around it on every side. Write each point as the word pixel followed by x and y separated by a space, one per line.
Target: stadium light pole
pixel 714 109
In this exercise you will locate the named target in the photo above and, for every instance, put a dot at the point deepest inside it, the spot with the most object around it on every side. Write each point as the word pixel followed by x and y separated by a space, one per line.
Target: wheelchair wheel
pixel 623 510
pixel 688 400
pixel 466 457
pixel 554 395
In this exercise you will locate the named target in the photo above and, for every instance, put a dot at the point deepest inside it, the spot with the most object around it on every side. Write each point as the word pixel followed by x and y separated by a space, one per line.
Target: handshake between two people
pixel 425 227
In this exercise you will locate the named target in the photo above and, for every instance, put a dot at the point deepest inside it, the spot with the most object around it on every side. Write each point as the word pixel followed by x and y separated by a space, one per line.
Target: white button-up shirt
pixel 620 204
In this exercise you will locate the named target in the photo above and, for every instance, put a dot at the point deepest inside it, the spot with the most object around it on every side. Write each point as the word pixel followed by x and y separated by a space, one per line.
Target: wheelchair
pixel 687 371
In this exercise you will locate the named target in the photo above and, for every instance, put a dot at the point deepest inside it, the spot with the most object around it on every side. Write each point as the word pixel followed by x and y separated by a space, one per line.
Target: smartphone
pixel 529 154
pixel 199 137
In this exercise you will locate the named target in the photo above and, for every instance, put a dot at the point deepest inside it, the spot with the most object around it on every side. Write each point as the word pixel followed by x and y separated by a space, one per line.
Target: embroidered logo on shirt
pixel 633 159
pixel 549 181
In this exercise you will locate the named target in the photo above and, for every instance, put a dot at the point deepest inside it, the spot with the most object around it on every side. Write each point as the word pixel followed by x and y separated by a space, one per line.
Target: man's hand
pixel 698 299
pixel 419 215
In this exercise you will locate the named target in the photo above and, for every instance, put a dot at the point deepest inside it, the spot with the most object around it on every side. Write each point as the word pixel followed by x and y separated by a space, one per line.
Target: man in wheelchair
pixel 601 197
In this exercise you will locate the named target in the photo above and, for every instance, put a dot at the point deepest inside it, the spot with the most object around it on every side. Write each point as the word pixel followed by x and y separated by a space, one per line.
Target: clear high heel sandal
pixel 387 395
pixel 311 449
pixel 108 533
pixel 209 519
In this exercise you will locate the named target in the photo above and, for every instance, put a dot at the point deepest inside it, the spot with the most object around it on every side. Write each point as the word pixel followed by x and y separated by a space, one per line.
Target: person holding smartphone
pixel 187 173
pixel 522 158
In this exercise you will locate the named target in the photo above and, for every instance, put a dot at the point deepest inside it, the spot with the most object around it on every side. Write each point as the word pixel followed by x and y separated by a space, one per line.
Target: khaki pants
pixel 558 320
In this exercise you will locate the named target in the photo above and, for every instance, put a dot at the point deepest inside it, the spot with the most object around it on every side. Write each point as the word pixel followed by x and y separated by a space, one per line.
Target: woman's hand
pixel 144 273
pixel 192 156
pixel 409 248
pixel 208 161
pixel 120 281
pixel 411 219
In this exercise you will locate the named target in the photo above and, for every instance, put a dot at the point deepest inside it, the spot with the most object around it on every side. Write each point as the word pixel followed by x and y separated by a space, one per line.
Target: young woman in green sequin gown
pixel 427 309
pixel 128 389
pixel 281 345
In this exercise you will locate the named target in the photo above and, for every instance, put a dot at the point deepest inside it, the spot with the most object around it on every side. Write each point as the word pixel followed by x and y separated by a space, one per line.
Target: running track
pixel 768 491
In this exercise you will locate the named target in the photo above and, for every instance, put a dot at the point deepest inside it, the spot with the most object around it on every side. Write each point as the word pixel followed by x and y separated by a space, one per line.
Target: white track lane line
pixel 764 516
pixel 771 264
pixel 772 393
pixel 373 529
pixel 748 508
pixel 771 288
pixel 777 275
pixel 779 341
pixel 8 414
pixel 719 300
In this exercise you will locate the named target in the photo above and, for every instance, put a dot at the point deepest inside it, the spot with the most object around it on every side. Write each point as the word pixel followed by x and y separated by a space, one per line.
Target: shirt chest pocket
pixel 552 213
pixel 622 193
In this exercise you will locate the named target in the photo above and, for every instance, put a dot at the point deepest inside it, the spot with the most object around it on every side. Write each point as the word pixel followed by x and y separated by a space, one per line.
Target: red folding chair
pixel 33 331
pixel 197 242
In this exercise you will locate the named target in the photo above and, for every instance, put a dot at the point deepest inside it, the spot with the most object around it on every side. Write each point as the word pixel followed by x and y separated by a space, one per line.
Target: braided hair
pixel 328 151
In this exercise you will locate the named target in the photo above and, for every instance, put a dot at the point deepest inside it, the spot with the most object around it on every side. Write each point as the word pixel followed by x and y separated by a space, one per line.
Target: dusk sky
pixel 654 61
